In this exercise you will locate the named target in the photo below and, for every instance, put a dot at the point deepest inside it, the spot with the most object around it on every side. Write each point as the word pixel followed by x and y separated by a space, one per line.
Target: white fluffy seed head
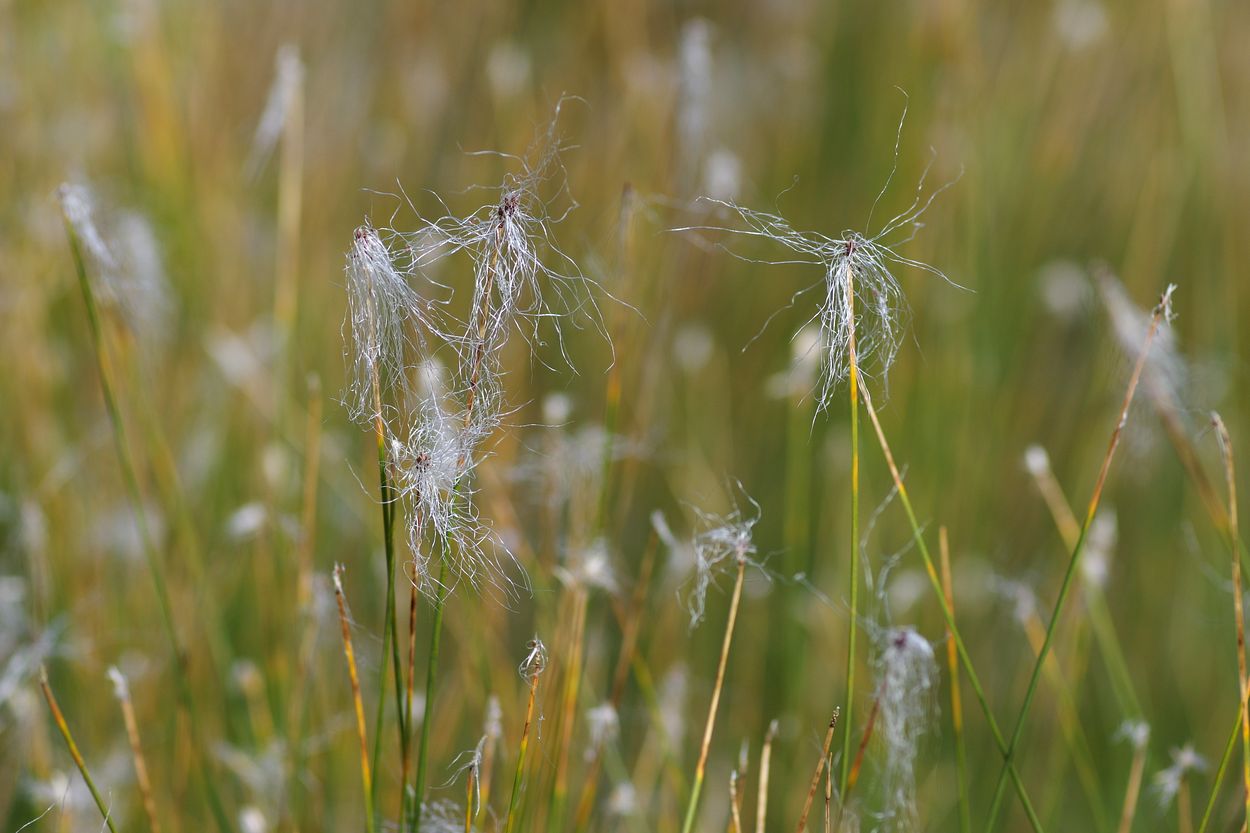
pixel 1037 461
pixel 862 306
pixel 1165 369
pixel 1136 732
pixel 1168 781
pixel 722 541
pixel 384 315
pixel 907 681
pixel 603 725
pixel 123 262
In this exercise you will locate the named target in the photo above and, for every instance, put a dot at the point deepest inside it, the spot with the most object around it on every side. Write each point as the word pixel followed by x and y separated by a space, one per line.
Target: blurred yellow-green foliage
pixel 1075 132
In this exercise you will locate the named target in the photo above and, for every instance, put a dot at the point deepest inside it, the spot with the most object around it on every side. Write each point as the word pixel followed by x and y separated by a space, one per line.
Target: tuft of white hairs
pixel 862 303
pixel 603 725
pixel 387 318
pixel 522 279
pixel 124 262
pixel 1136 732
pixel 907 681
pixel 1168 781
pixel 1165 369
pixel 283 95
pixel 721 541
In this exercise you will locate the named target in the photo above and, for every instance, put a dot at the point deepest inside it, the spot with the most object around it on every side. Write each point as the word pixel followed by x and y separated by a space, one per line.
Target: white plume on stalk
pixel 907 682
pixel 861 300
pixel 388 320
pixel 1168 781
pixel 722 541
pixel 1165 369
pixel 283 93
pixel 124 260
pixel 521 277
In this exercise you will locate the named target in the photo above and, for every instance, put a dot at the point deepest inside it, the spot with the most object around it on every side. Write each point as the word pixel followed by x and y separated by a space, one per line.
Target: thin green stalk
pixel 1074 561
pixel 957 709
pixel 1223 767
pixel 700 768
pixel 349 653
pixel 390 638
pixel 431 678
pixel 848 698
pixel 1239 619
pixel 535 665
pixel 936 583
pixel 155 568
pixel 59 719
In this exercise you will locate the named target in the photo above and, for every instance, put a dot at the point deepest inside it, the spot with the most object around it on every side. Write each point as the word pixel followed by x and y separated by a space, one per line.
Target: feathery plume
pixel 862 306
pixel 907 675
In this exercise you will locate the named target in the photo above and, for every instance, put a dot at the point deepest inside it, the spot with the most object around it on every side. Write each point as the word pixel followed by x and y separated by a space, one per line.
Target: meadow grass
pixel 561 355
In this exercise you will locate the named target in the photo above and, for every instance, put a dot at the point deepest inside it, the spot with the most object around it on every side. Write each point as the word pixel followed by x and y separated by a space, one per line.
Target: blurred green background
pixel 1079 132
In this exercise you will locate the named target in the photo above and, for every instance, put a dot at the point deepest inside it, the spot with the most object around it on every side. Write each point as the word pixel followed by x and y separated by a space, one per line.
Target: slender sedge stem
pixel 701 767
pixel 136 749
pixel 766 756
pixel 820 767
pixel 1223 767
pixel 568 710
pixel 1230 477
pixel 519 777
pixel 1184 807
pixel 361 730
pixel 408 691
pixel 931 571
pixel 957 707
pixel 1099 617
pixel 735 804
pixel 1075 559
pixel 59 719
pixel 1133 790
pixel 849 696
pixel 468 800
pixel 431 678
pixel 155 567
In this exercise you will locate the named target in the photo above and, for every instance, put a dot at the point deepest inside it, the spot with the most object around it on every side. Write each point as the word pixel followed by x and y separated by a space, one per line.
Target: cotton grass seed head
pixel 1168 781
pixel 907 681
pixel 521 278
pixel 123 261
pixel 862 312
pixel 723 541
pixel 384 315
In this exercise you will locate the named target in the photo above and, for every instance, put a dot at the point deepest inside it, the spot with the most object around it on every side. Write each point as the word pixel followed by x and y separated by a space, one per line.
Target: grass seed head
pixel 907 681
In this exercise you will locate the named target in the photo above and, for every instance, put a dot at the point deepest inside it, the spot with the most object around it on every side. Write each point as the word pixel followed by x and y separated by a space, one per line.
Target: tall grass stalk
pixel 1230 477
pixel 848 698
pixel 361 730
pixel 1098 615
pixel 59 719
pixel 1161 310
pixel 1133 790
pixel 957 708
pixel 130 477
pixel 568 704
pixel 936 583
pixel 1229 745
pixel 533 666
pixel 766 757
pixel 701 767
pixel 122 690
pixel 820 767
